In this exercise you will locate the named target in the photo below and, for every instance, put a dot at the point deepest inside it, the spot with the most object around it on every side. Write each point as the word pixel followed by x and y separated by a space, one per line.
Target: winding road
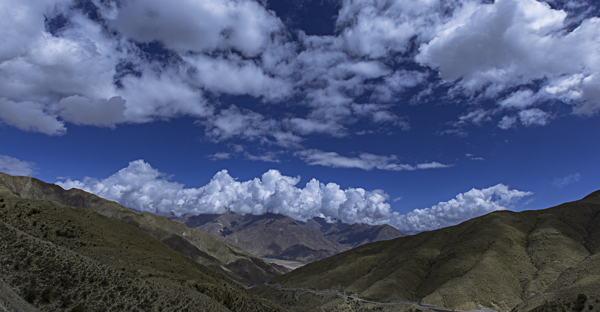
pixel 427 306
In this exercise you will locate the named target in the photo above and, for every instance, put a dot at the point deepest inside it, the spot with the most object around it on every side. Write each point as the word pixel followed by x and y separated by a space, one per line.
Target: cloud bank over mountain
pixel 142 187
pixel 135 61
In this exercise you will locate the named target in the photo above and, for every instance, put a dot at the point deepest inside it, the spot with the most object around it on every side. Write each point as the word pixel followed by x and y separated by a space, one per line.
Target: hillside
pixel 281 237
pixel 204 248
pixel 62 256
pixel 504 260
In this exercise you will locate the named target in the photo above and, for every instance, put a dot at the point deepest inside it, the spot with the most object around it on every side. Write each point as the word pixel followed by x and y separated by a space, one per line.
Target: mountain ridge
pixel 501 261
pixel 281 237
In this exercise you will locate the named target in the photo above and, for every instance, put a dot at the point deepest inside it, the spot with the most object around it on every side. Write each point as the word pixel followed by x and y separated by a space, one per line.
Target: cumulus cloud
pixel 143 188
pixel 30 116
pixel 465 206
pixel 81 110
pixel 494 47
pixel 201 26
pixel 364 161
pixel 15 166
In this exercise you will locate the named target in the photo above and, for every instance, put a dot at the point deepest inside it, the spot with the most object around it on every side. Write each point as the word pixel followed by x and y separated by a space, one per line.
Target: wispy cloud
pixel 364 161
pixel 15 166
pixel 564 181
pixel 473 157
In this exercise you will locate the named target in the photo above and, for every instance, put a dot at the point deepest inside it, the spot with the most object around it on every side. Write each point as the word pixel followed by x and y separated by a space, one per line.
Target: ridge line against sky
pixel 423 99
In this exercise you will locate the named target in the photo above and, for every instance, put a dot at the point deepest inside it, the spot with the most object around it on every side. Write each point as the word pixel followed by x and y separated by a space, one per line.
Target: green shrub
pixel 79 308
pixel 47 294
pixel 30 295
pixel 66 300
pixel 581 299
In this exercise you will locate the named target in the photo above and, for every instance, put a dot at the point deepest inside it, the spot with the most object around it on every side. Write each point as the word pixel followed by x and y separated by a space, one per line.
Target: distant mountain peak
pixel 277 236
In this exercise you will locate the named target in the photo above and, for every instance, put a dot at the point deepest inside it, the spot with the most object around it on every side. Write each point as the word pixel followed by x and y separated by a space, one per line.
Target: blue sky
pixel 437 110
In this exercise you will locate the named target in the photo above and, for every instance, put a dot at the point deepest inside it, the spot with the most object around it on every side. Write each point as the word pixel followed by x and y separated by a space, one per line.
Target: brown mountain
pixel 58 257
pixel 353 235
pixel 268 235
pixel 533 260
pixel 281 237
pixel 203 248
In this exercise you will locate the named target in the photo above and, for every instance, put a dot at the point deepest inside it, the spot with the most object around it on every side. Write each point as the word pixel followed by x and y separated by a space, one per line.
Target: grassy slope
pixel 85 257
pixel 500 261
pixel 197 245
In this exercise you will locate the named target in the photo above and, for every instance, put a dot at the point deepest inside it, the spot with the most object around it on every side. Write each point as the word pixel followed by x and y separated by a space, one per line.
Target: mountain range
pixel 519 261
pixel 281 237
pixel 73 251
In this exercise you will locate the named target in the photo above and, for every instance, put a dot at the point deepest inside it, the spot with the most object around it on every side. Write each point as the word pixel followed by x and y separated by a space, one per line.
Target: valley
pixel 71 250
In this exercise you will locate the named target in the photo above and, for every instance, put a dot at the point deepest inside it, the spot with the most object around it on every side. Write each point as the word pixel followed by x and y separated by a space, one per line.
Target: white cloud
pixel 81 110
pixel 494 47
pixel 141 187
pixel 95 73
pixel 30 116
pixel 15 166
pixel 569 179
pixel 220 156
pixel 534 117
pixel 200 26
pixel 507 122
pixel 364 161
pixel 473 157
pixel 252 126
pixel 236 76
pixel 465 206
pixel 309 126
pixel 379 28
pixel 519 100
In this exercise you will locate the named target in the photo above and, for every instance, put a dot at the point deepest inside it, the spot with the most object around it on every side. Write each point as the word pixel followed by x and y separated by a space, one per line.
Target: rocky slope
pixel 281 237
pixel 501 261
pixel 195 244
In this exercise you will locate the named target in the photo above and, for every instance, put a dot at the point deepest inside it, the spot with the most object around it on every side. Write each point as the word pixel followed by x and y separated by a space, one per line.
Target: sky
pixel 418 114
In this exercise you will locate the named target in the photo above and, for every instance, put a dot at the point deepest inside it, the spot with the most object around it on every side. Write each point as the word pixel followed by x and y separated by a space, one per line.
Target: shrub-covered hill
pixel 200 246
pixel 501 261
pixel 58 256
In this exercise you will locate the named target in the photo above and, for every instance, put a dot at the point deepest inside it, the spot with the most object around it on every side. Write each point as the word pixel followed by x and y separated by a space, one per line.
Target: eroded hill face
pixel 65 257
pixel 499 261
pixel 194 244
pixel 281 237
